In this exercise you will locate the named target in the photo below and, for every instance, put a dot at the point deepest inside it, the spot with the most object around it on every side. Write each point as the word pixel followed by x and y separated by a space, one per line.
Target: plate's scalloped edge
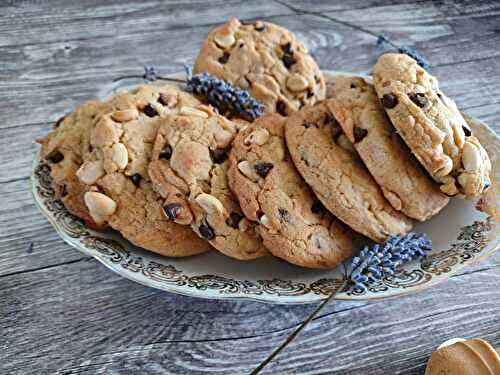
pixel 475 242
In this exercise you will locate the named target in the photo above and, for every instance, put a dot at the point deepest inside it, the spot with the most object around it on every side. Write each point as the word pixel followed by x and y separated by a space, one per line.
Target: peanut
pixel 90 171
pixel 209 203
pixel 120 155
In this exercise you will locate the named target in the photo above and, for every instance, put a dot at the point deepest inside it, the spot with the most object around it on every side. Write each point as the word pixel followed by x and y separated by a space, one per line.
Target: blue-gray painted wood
pixel 61 312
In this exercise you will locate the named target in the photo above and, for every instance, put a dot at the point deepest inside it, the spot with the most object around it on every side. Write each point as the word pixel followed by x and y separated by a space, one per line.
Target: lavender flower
pixel 150 73
pixel 376 262
pixel 224 96
pixel 382 39
pixel 228 99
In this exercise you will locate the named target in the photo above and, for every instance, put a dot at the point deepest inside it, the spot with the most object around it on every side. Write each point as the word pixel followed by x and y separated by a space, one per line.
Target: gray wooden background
pixel 61 312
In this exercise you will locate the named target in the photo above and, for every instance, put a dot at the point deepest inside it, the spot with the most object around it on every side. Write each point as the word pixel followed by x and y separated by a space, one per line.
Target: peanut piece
pixel 190 111
pixel 120 155
pixel 225 41
pixel 264 220
pixel 248 170
pixel 259 137
pixel 209 203
pixel 90 171
pixel 471 157
pixel 99 205
pixel 125 115
pixel 296 82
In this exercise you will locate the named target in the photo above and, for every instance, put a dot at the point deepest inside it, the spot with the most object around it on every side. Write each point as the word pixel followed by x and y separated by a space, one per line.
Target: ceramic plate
pixel 461 234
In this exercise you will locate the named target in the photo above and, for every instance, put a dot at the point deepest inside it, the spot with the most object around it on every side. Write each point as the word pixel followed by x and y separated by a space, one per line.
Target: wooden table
pixel 62 312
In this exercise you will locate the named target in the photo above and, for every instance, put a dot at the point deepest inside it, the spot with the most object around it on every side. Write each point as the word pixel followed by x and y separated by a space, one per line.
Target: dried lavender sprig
pixel 224 96
pixel 228 99
pixel 382 39
pixel 372 264
pixel 378 261
pixel 150 73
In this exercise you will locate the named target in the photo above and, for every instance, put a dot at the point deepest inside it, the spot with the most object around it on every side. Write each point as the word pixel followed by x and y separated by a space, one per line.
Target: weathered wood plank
pixel 107 325
pixel 45 81
pixel 80 318
pixel 36 23
pixel 27 240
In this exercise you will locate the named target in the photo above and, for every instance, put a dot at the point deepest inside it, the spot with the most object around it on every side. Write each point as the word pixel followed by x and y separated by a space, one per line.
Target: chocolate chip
pixel 55 157
pixel 136 179
pixel 171 210
pixel 64 191
pixel 218 155
pixel 353 86
pixel 308 125
pixel 206 231
pixel 287 48
pixel 288 60
pixel 318 208
pixel 166 153
pixel 150 111
pixel 259 214
pixel 419 99
pixel 263 168
pixel 439 96
pixel 467 131
pixel 359 134
pixel 281 107
pixel 389 101
pixel 234 219
pixel 328 119
pixel 284 215
pixel 224 58
pixel 310 94
pixel 317 79
pixel 335 132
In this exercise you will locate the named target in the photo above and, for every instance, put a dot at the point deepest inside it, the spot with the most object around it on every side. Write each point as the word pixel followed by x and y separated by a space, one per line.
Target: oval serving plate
pixel 461 234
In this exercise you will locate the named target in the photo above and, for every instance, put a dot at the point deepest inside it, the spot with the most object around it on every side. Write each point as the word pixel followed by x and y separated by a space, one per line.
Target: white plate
pixel 461 235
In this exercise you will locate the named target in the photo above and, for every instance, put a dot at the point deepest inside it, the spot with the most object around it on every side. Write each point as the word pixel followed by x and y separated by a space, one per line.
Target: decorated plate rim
pixel 314 291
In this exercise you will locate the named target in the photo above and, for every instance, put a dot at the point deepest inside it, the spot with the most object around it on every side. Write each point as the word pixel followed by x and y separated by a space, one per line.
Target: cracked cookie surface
pixel 404 183
pixel 431 125
pixel 189 170
pixel 328 162
pixel 293 224
pixel 65 147
pixel 115 149
pixel 266 60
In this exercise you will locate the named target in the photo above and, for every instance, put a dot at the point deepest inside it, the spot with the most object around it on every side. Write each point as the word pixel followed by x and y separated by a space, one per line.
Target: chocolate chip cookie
pixel 326 159
pixel 115 152
pixel 64 149
pixel 189 170
pixel 265 59
pixel 431 125
pixel 293 223
pixel 404 183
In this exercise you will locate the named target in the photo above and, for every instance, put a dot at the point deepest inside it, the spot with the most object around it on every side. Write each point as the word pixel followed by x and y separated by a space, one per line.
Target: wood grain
pixel 62 312
pixel 108 325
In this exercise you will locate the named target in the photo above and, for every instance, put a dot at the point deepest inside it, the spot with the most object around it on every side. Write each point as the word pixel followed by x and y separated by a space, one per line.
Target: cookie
pixel 120 193
pixel 265 59
pixel 326 159
pixel 431 125
pixel 402 180
pixel 189 170
pixel 64 148
pixel 293 224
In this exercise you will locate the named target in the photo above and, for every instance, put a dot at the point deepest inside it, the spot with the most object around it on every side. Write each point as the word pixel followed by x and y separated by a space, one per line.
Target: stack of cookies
pixel 173 174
